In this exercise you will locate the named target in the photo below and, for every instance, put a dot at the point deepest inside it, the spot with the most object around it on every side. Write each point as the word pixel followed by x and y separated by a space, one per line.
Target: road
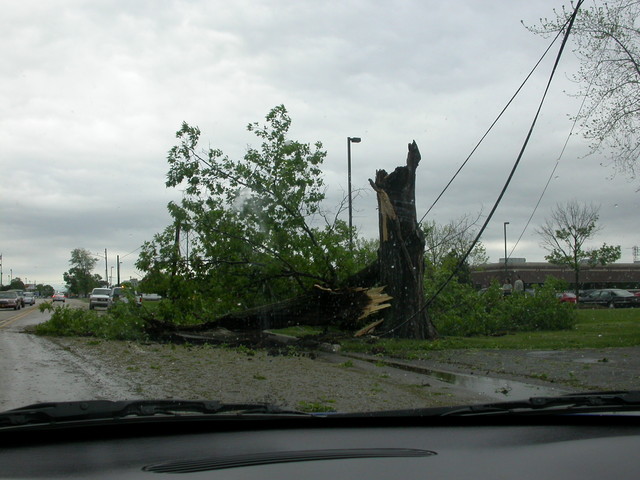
pixel 34 369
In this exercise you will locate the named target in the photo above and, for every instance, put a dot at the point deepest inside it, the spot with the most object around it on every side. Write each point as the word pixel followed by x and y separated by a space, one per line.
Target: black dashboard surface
pixel 402 452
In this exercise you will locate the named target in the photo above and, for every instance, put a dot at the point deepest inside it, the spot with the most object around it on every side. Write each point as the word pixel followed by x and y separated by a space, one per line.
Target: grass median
pixel 594 328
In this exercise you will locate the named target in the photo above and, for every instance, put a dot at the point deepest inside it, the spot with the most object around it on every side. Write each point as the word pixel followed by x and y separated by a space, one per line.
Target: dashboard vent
pixel 267 458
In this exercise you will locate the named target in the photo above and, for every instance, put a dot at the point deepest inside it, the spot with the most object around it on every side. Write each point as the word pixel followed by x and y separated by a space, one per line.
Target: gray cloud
pixel 91 95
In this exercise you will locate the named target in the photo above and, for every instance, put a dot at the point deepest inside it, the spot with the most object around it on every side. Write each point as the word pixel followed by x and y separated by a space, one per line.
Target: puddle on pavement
pixel 492 387
pixel 498 388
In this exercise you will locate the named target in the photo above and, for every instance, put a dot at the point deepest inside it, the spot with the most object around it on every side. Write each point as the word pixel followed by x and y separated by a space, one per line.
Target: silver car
pixel 29 298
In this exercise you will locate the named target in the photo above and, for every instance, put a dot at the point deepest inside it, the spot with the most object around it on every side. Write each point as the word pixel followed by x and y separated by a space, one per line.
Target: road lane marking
pixel 9 321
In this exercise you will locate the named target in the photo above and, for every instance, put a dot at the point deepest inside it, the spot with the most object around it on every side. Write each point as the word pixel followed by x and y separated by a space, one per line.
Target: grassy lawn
pixel 598 328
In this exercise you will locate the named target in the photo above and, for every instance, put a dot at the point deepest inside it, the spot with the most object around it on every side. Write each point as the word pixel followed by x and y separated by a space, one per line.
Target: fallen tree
pixel 250 239
pixel 347 308
pixel 393 284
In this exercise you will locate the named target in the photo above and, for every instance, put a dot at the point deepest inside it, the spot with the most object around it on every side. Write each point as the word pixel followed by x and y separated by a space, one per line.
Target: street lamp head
pixel 355 139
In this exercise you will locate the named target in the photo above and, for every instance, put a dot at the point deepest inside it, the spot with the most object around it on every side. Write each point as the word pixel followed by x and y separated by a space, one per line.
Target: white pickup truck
pixel 99 297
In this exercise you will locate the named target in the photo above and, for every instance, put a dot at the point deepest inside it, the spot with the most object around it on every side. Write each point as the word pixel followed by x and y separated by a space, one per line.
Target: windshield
pixel 622 293
pixel 101 291
pixel 346 206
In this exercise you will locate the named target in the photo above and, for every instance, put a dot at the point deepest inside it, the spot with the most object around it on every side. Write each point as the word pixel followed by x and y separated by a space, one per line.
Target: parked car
pixel 122 294
pixel 58 297
pixel 99 297
pixel 30 298
pixel 151 297
pixel 610 297
pixel 567 297
pixel 10 300
pixel 20 294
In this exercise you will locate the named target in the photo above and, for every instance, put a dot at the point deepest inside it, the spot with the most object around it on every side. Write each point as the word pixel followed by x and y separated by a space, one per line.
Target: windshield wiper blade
pixel 56 412
pixel 563 404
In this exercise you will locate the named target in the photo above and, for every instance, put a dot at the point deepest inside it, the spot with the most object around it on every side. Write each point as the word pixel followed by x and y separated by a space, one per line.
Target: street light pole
pixel 505 251
pixel 350 140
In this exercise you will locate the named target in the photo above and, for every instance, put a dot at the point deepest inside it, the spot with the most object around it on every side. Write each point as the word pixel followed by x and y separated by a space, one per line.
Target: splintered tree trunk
pixel 401 254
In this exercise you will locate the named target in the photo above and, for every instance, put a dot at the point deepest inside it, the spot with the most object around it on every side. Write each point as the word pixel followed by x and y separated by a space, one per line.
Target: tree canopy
pixel 607 38
pixel 256 226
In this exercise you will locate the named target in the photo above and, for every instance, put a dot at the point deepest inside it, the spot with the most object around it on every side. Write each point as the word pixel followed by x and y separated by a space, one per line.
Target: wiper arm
pixel 571 403
pixel 48 413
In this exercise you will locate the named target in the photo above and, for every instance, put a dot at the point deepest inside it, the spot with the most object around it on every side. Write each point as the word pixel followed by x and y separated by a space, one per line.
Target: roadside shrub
pixel 540 311
pixel 66 322
pixel 190 311
pixel 459 311
pixel 469 313
pixel 121 322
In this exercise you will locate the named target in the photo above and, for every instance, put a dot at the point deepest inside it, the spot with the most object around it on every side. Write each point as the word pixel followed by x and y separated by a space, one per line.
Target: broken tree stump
pixel 401 253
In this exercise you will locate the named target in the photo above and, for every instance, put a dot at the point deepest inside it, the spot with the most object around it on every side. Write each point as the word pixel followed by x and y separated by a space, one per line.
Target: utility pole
pixel 118 268
pixel 350 140
pixel 106 269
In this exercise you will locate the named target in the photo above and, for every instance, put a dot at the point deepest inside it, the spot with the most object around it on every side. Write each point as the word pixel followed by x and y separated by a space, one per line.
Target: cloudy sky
pixel 92 93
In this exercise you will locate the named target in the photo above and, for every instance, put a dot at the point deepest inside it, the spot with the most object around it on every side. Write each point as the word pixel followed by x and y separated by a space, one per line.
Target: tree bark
pixel 401 254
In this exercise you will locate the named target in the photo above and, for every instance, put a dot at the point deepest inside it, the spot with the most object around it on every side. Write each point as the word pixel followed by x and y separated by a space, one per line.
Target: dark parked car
pixel 610 297
pixel 122 294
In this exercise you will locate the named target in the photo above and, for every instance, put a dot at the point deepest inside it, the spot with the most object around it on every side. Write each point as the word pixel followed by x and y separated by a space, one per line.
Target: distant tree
pixel 454 238
pixel 17 284
pixel 565 233
pixel 79 279
pixel 45 290
pixel 608 47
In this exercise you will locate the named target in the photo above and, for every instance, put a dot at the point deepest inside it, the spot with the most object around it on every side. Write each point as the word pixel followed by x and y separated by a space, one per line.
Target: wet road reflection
pixel 34 369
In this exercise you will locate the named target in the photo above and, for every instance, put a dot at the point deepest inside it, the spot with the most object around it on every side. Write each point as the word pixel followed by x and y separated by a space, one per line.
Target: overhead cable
pixel 461 262
pixel 513 97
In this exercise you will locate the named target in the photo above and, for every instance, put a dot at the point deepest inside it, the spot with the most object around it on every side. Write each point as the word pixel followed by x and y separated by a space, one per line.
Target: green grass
pixel 594 329
pixel 299 330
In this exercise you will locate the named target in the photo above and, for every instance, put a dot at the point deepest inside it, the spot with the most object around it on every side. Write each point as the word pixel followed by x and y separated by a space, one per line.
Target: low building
pixel 615 275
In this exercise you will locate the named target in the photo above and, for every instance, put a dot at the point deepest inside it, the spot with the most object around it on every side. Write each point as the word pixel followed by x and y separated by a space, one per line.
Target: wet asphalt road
pixel 33 369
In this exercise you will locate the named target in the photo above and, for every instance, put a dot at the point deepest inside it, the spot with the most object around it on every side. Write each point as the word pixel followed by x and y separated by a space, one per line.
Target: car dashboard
pixel 370 449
